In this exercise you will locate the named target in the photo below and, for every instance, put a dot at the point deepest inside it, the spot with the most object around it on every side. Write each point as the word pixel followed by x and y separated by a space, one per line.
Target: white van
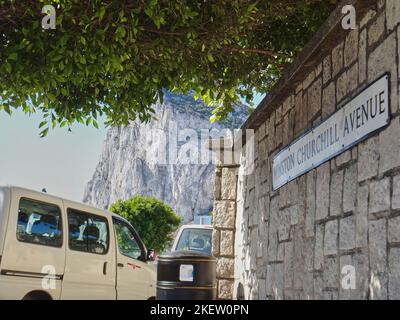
pixel 51 248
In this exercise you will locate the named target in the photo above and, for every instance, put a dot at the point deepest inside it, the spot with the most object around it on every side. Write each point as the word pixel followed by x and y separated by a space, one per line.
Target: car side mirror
pixel 151 255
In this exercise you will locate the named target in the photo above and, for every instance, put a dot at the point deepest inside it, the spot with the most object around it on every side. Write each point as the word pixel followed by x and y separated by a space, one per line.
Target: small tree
pixel 153 220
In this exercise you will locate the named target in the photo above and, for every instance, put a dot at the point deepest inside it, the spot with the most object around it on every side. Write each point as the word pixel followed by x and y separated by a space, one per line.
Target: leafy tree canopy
pixel 115 57
pixel 153 220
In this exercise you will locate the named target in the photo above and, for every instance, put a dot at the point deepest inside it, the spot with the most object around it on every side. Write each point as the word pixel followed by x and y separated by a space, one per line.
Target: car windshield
pixel 195 240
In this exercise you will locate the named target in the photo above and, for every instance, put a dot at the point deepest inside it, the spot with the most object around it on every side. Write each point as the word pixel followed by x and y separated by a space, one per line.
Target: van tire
pixel 37 295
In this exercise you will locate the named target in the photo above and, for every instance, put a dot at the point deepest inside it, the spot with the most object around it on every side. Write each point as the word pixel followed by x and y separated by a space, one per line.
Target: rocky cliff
pixel 164 158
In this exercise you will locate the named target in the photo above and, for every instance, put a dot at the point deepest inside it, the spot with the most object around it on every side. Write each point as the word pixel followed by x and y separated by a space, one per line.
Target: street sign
pixel 354 122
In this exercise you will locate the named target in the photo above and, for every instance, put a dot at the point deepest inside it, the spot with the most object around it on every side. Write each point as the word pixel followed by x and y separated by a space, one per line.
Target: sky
pixel 62 162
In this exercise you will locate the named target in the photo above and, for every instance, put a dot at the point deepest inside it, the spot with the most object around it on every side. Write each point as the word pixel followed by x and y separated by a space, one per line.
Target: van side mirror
pixel 151 255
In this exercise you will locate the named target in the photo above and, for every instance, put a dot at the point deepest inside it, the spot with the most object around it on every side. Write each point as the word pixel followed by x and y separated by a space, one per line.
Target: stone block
pixel 288 104
pixel 281 252
pixel 314 98
pixel 362 217
pixel 347 83
pixel 217 185
pixel 288 263
pixel 350 189
pixel 310 204
pixel 367 18
pixel 227 243
pixel 389 147
pixel 337 59
pixel 368 159
pixel 336 194
pixel 394 274
pixel 228 188
pixel 394 230
pixel 279 283
pixel 225 289
pixel 327 69
pixel 396 193
pixel 331 273
pixel 269 281
pixel 378 259
pixel 379 197
pixel 299 258
pixel 215 242
pixel 362 57
pixel 331 236
pixel 322 196
pixel 225 267
pixel 347 233
pixel 381 60
pixel 319 248
pixel 318 287
pixel 376 30
pixel 328 100
pixel 309 80
pixel 343 158
pixel 392 14
pixel 224 214
pixel 351 48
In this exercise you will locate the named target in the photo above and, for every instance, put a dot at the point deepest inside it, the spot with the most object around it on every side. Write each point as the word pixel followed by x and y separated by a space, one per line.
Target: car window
pixel 87 232
pixel 127 244
pixel 199 240
pixel 39 223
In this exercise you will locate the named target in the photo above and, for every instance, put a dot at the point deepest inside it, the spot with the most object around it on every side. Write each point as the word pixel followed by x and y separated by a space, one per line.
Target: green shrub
pixel 154 220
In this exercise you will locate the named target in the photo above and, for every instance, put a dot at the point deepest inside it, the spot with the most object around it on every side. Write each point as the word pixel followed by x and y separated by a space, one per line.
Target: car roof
pixel 197 226
pixel 12 187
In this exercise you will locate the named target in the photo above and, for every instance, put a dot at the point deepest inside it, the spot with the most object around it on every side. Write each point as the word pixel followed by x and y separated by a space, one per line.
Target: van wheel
pixel 152 298
pixel 37 295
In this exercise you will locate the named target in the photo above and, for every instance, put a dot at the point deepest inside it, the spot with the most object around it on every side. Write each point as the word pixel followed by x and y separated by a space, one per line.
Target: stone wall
pixel 292 243
pixel 224 228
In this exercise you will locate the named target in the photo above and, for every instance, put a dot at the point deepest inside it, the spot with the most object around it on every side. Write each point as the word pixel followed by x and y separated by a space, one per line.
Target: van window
pixel 127 244
pixel 39 223
pixel 87 232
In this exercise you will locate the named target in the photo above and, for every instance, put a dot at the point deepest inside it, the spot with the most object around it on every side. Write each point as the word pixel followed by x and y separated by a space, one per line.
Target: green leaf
pixel 101 13
pixel 44 133
pixel 121 32
pixel 210 57
pixel 51 96
pixel 13 56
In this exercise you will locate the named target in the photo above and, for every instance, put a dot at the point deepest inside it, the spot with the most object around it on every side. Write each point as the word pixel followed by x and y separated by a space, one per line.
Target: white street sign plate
pixel 363 115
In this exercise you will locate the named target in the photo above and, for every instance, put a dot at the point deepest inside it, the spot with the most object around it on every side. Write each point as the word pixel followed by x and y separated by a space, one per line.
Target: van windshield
pixel 195 240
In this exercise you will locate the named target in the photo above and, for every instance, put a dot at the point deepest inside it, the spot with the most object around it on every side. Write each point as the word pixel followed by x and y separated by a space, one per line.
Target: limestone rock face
pixel 162 158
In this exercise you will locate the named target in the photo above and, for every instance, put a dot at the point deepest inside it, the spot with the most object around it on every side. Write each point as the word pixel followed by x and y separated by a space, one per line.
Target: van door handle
pixel 105 268
pixel 121 265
